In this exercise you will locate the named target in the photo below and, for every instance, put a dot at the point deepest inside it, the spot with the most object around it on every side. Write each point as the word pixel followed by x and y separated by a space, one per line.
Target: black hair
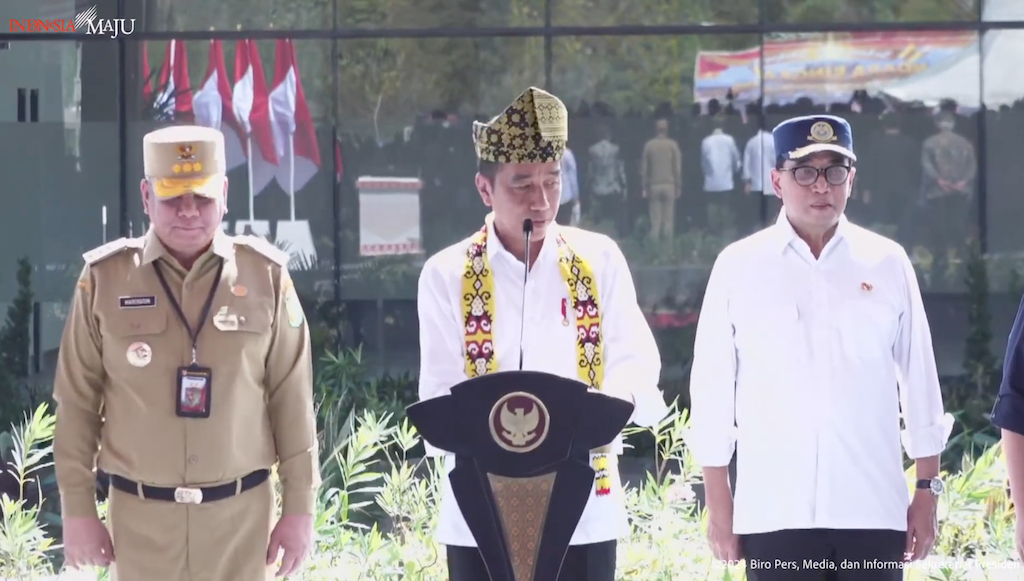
pixel 488 169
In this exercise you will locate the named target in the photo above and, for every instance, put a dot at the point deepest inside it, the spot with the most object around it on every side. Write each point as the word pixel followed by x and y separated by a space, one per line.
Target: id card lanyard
pixel 194 382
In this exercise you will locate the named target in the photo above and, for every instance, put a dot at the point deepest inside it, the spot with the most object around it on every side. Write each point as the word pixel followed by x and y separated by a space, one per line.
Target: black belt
pixel 190 495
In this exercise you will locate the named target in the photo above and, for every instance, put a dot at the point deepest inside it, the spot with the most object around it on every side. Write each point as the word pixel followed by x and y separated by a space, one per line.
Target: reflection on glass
pixel 174 15
pixel 405 113
pixel 269 99
pixel 653 12
pixel 439 13
pixel 667 165
pixel 1004 101
pixel 58 143
pixel 1002 11
pixel 917 176
pixel 861 11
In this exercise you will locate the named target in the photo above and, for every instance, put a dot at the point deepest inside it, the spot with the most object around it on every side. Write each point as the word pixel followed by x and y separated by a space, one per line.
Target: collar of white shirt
pixel 786 236
pixel 496 251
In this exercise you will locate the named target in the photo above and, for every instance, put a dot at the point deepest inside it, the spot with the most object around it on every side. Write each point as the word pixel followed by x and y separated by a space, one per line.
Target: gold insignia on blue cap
pixel 799 137
pixel 533 129
pixel 822 132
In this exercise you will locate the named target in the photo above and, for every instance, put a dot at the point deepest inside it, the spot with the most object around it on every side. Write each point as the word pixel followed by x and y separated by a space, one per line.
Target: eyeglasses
pixel 806 175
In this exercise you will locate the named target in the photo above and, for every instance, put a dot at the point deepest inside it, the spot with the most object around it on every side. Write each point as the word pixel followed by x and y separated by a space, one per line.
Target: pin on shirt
pixel 866 286
pixel 139 354
pixel 565 312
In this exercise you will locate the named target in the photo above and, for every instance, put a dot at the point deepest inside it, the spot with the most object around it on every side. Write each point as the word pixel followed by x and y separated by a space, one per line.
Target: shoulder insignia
pixel 111 248
pixel 292 305
pixel 264 247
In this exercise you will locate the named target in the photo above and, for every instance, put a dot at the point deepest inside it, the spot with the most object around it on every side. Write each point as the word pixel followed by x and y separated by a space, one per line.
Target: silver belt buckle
pixel 188 496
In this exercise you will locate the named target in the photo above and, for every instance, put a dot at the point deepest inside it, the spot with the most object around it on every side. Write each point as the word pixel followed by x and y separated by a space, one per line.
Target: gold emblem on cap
pixel 186 152
pixel 519 422
pixel 822 132
pixel 139 354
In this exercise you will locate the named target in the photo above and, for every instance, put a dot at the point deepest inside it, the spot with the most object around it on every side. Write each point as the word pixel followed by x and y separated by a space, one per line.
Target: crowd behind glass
pixel 918 173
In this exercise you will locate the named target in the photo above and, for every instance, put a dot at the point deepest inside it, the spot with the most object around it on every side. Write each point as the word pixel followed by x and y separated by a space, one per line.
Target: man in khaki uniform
pixel 661 167
pixel 185 374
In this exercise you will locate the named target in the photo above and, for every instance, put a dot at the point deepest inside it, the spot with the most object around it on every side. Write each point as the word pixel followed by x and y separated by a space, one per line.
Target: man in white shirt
pixel 581 316
pixel 811 347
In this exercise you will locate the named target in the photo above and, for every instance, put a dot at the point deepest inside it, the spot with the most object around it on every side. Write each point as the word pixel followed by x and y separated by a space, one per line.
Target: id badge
pixel 194 391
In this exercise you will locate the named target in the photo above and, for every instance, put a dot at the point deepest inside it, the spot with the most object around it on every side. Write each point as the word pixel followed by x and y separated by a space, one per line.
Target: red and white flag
pixel 252 109
pixel 213 106
pixel 175 100
pixel 294 134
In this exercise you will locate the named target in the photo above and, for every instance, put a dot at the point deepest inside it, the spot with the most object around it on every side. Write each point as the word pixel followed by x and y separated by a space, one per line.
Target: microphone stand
pixel 527 231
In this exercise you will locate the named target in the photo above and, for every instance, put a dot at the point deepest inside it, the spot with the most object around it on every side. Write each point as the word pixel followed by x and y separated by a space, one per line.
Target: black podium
pixel 522 442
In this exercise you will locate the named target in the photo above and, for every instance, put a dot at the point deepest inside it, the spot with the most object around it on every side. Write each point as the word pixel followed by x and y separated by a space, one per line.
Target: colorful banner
pixel 826 68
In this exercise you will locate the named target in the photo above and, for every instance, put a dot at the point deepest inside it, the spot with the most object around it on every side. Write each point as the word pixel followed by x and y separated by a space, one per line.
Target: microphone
pixel 527 231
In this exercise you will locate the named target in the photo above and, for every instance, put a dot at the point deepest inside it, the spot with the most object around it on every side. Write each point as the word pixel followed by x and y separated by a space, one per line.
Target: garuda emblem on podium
pixel 519 422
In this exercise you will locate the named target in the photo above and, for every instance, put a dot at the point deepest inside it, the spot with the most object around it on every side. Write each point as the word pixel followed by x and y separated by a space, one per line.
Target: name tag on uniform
pixel 194 391
pixel 137 302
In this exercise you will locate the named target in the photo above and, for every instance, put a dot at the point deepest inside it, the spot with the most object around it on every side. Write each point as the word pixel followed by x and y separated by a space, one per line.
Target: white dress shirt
pixel 759 161
pixel 720 160
pixel 632 360
pixel 803 365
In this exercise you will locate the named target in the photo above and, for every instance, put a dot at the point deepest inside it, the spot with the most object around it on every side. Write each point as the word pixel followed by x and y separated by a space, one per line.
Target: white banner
pixel 389 216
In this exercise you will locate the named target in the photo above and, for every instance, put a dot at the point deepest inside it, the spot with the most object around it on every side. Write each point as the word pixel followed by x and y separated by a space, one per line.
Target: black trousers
pixel 594 562
pixel 824 555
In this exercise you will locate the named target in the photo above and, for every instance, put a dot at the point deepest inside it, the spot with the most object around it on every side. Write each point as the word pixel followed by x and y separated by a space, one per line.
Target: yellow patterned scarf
pixel 478 316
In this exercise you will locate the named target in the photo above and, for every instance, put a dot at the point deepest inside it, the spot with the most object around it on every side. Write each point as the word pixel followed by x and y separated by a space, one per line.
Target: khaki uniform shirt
pixel 949 156
pixel 121 417
pixel 661 163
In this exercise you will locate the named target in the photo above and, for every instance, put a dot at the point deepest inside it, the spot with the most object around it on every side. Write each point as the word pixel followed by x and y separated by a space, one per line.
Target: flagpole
pixel 291 182
pixel 252 196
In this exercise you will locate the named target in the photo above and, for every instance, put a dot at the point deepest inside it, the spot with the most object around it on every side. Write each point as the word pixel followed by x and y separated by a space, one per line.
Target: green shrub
pixel 376 515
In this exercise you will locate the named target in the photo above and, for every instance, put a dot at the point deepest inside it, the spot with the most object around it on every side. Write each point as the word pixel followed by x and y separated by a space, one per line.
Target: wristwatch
pixel 933 485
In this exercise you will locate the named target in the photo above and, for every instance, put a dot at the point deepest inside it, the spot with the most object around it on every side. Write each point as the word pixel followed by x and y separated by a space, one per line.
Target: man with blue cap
pixel 812 346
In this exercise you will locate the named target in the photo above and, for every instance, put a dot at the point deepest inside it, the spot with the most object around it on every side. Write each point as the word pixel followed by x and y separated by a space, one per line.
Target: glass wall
pixel 383 161
pixel 61 165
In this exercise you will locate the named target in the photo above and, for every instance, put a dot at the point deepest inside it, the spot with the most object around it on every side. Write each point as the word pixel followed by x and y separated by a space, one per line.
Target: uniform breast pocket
pixel 131 336
pixel 242 327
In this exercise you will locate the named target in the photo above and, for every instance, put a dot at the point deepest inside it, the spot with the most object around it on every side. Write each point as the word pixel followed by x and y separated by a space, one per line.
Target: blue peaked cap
pixel 801 136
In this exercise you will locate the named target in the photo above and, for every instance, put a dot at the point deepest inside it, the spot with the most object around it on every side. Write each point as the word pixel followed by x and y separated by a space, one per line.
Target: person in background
pixel 661 168
pixel 607 179
pixel 812 345
pixel 720 160
pixel 758 163
pixel 569 202
pixel 950 167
